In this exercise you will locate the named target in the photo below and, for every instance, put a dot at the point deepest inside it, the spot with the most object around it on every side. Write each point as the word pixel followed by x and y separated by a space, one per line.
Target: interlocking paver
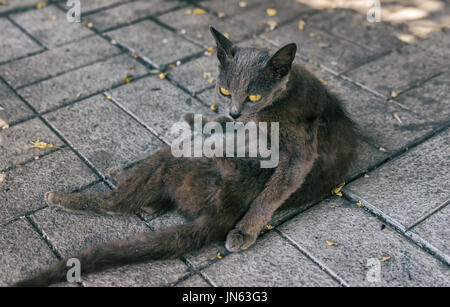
pixel 157 103
pixel 16 4
pixel 360 237
pixel 411 185
pixel 16 142
pixel 270 262
pixel 56 61
pixel 156 43
pixel 81 82
pixel 22 252
pixel 129 12
pixel 14 43
pixel 12 109
pixel 49 25
pixel 23 189
pixel 103 133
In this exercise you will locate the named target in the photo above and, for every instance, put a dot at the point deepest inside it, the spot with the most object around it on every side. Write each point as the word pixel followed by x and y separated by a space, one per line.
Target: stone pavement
pixel 95 91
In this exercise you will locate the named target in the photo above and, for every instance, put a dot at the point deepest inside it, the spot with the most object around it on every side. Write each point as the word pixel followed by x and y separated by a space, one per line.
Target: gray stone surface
pixel 14 43
pixel 16 4
pixel 103 133
pixel 359 237
pixel 22 252
pixel 56 61
pixel 411 185
pixel 194 281
pixel 270 262
pixel 49 25
pixel 16 142
pixel 157 103
pixel 436 231
pixel 128 12
pixel 398 71
pixel 12 109
pixel 23 189
pixel 81 82
pixel 157 44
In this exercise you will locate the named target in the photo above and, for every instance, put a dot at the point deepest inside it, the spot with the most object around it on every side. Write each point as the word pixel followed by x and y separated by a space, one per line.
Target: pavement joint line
pixel 42 50
pixel 313 259
pixel 36 41
pixel 428 214
pixel 28 8
pixel 97 10
pixel 44 237
pixel 207 279
pixel 138 120
pixel 411 236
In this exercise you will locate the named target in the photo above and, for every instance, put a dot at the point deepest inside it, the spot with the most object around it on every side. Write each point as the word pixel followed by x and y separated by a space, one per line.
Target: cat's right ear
pixel 225 48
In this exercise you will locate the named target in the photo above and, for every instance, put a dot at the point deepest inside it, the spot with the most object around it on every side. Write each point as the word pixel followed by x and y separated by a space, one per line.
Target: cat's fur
pixel 228 198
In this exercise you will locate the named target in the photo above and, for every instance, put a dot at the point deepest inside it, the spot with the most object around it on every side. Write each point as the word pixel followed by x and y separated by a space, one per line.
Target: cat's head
pixel 250 79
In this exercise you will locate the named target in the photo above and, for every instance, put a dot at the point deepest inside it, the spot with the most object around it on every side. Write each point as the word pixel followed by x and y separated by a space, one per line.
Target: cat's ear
pixel 225 48
pixel 280 63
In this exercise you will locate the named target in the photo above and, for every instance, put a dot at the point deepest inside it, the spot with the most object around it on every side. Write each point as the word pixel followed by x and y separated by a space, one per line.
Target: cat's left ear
pixel 225 48
pixel 280 63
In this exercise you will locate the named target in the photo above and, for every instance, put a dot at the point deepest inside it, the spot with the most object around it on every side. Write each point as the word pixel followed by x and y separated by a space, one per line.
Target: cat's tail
pixel 170 243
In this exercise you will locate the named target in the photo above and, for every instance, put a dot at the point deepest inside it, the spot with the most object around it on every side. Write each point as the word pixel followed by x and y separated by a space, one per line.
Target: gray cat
pixel 228 199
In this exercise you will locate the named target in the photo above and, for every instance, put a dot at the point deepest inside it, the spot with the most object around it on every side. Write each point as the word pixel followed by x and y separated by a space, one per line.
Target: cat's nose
pixel 234 113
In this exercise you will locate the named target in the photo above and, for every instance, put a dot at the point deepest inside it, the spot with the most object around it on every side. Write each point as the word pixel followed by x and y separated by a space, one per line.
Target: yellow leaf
pixel 41 5
pixel 221 15
pixel 226 35
pixel 162 75
pixel 219 256
pixel 269 227
pixel 272 25
pixel 36 158
pixel 198 12
pixel 242 4
pixel 337 190
pixel 366 176
pixel 323 81
pixel 41 145
pixel 330 243
pixel 5 127
pixel 271 12
pixel 127 79
pixel 301 25
pixel 384 259
pixel 359 204
pixel 214 107
pixel 109 96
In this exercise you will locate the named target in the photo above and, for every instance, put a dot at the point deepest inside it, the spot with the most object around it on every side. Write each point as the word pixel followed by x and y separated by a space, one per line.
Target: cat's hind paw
pixel 238 240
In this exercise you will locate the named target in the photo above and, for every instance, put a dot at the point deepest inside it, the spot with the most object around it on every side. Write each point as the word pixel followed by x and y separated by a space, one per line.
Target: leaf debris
pixel 271 12
pixel 41 145
pixel 337 190
pixel 331 243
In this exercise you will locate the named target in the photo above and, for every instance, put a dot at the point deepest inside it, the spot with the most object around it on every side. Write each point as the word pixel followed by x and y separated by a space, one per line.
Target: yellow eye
pixel 254 98
pixel 224 91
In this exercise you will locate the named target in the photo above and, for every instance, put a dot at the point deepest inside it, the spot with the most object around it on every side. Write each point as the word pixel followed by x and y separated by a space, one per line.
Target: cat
pixel 229 199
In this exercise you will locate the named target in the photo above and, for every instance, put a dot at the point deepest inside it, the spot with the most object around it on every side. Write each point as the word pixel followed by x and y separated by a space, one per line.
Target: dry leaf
pixel 4 127
pixel 109 96
pixel 359 204
pixel 330 243
pixel 301 25
pixel 162 75
pixel 90 25
pixel 384 259
pixel 382 149
pixel 226 35
pixel 394 94
pixel 209 51
pixel 36 158
pixel 272 25
pixel 211 80
pixel 242 4
pixel 323 81
pixel 41 5
pixel 214 107
pixel 397 118
pixel 134 55
pixel 337 190
pixel 219 255
pixel 271 12
pixel 154 71
pixel 41 145
pixel 198 12
pixel 127 79
pixel 2 177
pixel 221 15
pixel 269 227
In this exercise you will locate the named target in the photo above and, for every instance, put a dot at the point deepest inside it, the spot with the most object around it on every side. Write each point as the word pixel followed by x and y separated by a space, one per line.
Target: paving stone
pixel 103 133
pixel 439 44
pixel 153 274
pixel 254 16
pixel 14 43
pixel 196 75
pixel 24 187
pixel 196 26
pixel 435 230
pixel 430 99
pixel 93 5
pixel 376 117
pixel 17 5
pixel 15 142
pixel 12 109
pixel 194 281
pixel 157 44
pixel 411 185
pixel 271 262
pixel 360 238
pixel 157 103
pixel 72 233
pixel 57 61
pixel 50 26
pixel 79 83
pixel 397 71
pixel 22 252
pixel 129 12
pixel 318 46
pixel 353 26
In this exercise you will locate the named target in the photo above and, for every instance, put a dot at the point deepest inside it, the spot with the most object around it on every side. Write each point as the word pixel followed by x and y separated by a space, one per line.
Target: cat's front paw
pixel 52 199
pixel 238 240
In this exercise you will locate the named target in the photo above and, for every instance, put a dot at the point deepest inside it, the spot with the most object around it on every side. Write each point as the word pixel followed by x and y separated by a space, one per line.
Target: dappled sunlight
pixel 420 17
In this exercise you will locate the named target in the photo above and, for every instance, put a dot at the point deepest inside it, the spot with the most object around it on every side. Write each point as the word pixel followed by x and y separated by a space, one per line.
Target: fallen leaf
pixel 301 25
pixel 214 107
pixel 2 177
pixel 221 15
pixel 134 55
pixel 127 79
pixel 211 80
pixel 384 259
pixel 209 51
pixel 198 12
pixel 109 96
pixel 269 227
pixel 366 176
pixel 272 25
pixel 36 158
pixel 154 71
pixel 360 204
pixel 337 190
pixel 394 94
pixel 219 256
pixel 382 149
pixel 162 75
pixel 226 35
pixel 397 118
pixel 90 25
pixel 41 5
pixel 41 145
pixel 323 81
pixel 271 12
pixel 4 127
pixel 330 243
pixel 242 4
